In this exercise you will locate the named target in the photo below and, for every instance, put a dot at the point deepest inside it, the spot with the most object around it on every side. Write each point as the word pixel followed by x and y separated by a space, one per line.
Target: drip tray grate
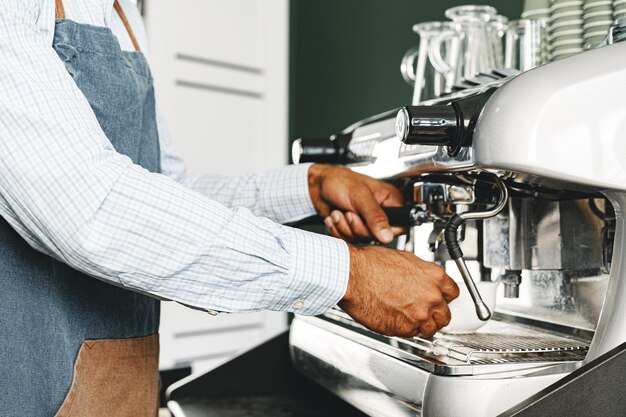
pixel 524 347
pixel 569 356
pixel 497 343
pixel 500 343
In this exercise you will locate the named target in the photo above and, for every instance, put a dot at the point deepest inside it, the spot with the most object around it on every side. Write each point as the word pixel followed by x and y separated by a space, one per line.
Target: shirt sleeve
pixel 69 194
pixel 281 194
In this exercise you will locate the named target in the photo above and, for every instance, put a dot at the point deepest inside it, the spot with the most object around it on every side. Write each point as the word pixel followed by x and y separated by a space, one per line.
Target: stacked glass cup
pixel 537 10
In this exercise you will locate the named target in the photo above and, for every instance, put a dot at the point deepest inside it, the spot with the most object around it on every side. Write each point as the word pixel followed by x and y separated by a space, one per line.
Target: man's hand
pixel 357 199
pixel 396 293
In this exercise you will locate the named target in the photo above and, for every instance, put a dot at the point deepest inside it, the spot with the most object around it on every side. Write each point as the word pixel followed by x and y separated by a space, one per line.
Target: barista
pixel 101 219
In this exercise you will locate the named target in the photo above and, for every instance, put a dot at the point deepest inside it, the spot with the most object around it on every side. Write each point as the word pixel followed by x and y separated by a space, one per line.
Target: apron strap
pixel 60 14
pixel 122 15
pixel 60 10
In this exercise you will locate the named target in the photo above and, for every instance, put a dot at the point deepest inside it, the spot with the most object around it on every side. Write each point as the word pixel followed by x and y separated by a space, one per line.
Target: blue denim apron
pixel 48 309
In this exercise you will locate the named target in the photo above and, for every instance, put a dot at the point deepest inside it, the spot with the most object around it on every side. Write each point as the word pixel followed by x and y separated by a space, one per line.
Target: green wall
pixel 345 58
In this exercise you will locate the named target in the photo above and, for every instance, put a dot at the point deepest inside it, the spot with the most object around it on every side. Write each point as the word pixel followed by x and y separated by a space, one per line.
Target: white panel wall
pixel 221 74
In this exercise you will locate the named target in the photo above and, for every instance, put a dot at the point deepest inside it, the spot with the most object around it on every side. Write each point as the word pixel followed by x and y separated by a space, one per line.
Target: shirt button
pixel 298 304
pixel 213 313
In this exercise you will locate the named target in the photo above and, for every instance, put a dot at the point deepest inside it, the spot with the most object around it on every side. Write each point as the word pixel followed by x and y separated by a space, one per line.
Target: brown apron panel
pixel 115 378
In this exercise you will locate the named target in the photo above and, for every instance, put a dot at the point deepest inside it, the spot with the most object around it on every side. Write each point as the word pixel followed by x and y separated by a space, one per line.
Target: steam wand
pixel 454 249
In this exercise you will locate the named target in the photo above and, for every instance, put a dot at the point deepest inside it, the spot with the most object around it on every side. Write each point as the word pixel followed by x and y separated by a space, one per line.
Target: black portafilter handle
pixel 322 151
pixel 398 217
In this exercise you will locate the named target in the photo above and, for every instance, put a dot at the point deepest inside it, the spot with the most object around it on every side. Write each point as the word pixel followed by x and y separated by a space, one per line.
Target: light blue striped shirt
pixel 209 242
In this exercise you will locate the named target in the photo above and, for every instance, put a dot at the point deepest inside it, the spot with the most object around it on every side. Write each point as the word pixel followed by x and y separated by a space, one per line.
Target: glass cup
pixel 497 31
pixel 417 69
pixel 526 44
pixel 471 50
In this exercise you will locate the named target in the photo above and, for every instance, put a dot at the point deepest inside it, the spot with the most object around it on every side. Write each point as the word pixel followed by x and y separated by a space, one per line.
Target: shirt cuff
pixel 318 274
pixel 286 196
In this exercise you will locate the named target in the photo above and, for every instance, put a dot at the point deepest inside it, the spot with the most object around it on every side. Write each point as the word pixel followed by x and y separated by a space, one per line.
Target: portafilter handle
pixel 405 216
pixel 321 150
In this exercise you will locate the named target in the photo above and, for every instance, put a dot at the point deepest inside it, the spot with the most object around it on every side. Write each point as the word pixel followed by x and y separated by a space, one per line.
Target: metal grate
pixel 481 347
pixel 570 356
pixel 497 343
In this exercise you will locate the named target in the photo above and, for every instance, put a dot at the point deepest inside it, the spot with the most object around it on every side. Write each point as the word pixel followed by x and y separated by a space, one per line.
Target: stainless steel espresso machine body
pixel 535 168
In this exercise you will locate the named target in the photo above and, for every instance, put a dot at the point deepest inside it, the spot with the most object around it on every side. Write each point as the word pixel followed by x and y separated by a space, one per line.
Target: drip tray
pixel 474 347
pixel 498 346
pixel 497 343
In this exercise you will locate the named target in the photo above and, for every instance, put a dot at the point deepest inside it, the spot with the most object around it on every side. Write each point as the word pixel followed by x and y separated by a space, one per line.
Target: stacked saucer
pixel 565 28
pixel 536 9
pixel 619 9
pixel 597 19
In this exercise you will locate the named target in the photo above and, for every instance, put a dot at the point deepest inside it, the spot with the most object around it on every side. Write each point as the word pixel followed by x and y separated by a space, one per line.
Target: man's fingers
pixel 374 217
pixel 358 227
pixel 449 289
pixel 350 226
pixel 428 329
pixel 397 231
pixel 442 316
pixel 332 230
pixel 360 230
pixel 341 224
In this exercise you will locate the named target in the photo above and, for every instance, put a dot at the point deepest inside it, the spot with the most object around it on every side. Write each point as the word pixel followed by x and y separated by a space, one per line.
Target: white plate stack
pixel 619 9
pixel 597 19
pixel 565 28
pixel 536 9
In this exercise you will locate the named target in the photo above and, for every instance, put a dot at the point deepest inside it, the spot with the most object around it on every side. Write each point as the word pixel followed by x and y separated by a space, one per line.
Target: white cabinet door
pixel 221 73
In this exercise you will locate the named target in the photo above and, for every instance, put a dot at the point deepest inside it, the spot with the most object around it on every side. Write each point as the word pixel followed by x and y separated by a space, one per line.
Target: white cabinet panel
pixel 209 346
pixel 191 336
pixel 223 132
pixel 185 321
pixel 225 30
pixel 221 74
pixel 190 68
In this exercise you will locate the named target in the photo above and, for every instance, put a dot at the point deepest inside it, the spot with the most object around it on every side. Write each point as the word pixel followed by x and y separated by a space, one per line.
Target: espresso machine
pixel 522 181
